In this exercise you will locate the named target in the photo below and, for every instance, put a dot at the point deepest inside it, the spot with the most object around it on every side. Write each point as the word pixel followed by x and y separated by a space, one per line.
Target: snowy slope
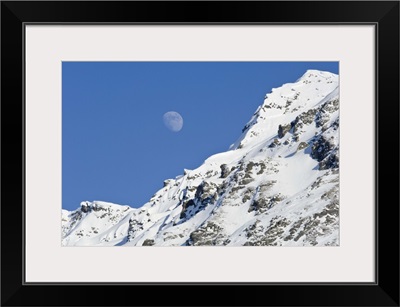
pixel 278 184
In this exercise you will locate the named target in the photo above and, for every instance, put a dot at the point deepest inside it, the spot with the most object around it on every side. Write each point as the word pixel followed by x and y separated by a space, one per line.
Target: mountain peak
pixel 283 104
pixel 313 73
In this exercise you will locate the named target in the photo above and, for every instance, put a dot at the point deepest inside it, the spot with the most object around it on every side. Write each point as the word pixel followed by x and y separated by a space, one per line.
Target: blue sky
pixel 115 146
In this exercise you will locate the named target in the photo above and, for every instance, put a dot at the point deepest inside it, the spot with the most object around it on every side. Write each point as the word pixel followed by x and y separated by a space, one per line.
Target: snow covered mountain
pixel 277 185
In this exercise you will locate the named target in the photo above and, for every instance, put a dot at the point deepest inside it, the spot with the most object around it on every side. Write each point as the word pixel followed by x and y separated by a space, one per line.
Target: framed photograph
pixel 204 148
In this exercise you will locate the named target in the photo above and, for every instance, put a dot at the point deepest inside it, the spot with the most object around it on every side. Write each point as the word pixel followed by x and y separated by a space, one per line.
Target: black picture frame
pixel 384 15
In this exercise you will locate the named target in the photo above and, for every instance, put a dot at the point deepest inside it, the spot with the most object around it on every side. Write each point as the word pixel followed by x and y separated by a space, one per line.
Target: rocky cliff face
pixel 277 185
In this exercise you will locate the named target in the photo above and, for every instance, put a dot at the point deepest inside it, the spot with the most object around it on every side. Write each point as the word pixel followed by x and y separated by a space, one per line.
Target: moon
pixel 173 121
